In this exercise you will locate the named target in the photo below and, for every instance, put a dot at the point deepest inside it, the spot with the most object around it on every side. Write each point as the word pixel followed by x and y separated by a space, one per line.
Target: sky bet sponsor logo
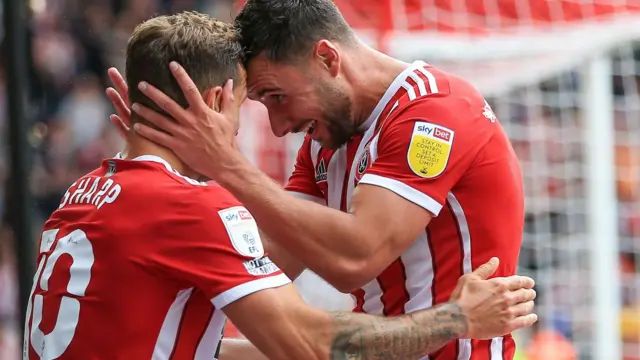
pixel 435 131
pixel 235 215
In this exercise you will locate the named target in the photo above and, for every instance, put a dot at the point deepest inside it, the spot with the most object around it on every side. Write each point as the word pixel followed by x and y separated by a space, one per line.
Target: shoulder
pixel 207 198
pixel 167 203
pixel 211 206
pixel 443 108
pixel 202 217
pixel 217 218
pixel 442 115
pixel 437 94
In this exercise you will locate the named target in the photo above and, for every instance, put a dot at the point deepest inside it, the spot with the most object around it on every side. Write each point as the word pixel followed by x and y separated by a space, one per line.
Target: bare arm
pixel 346 249
pixel 283 327
pixel 279 323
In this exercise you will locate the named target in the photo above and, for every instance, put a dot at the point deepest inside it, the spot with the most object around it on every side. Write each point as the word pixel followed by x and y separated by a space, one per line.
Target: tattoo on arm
pixel 364 337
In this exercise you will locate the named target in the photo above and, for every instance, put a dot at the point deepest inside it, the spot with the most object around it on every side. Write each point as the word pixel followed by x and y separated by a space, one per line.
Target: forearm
pixel 234 349
pixel 365 337
pixel 312 233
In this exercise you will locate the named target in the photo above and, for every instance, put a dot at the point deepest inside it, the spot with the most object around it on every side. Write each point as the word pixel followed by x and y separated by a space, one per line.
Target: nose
pixel 280 126
pixel 280 129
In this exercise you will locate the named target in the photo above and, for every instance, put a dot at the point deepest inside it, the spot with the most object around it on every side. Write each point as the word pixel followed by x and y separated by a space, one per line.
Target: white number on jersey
pixel 54 344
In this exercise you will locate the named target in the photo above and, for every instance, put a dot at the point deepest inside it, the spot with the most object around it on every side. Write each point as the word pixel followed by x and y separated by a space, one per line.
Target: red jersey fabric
pixel 138 262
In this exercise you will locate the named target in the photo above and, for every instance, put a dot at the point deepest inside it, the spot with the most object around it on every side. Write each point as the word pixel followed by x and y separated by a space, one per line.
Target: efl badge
pixel 243 231
pixel 429 149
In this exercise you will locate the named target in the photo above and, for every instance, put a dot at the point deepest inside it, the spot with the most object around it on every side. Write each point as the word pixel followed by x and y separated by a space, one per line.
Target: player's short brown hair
pixel 284 30
pixel 208 49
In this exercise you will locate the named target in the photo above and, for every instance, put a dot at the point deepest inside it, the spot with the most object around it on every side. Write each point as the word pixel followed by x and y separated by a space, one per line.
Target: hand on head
pixel 202 137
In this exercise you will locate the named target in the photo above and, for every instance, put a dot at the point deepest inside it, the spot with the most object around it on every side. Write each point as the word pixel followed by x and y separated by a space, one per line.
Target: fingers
pixel 156 119
pixel 120 126
pixel 189 88
pixel 487 269
pixel 122 109
pixel 163 101
pixel 516 282
pixel 226 103
pixel 522 309
pixel 521 295
pixel 155 136
pixel 119 83
pixel 522 322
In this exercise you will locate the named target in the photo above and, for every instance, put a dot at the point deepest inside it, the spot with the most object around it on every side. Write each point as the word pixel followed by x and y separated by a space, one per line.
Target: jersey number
pixel 55 343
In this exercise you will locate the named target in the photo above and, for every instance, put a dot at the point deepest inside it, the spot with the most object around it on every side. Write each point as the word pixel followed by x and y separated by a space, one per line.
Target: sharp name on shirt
pixel 93 190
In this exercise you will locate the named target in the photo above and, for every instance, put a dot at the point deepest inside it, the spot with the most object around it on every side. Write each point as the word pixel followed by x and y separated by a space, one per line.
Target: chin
pixel 324 142
pixel 335 142
pixel 327 142
pixel 331 145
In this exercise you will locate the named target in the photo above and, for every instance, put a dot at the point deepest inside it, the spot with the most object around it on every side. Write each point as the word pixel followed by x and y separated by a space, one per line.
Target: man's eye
pixel 277 98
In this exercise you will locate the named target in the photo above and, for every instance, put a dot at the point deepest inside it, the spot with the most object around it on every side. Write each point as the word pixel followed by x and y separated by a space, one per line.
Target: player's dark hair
pixel 208 49
pixel 286 29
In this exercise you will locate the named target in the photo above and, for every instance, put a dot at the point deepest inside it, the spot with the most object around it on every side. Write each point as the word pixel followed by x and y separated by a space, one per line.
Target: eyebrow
pixel 264 91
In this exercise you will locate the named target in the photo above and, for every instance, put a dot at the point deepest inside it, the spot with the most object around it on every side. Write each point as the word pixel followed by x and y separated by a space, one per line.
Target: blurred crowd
pixel 73 42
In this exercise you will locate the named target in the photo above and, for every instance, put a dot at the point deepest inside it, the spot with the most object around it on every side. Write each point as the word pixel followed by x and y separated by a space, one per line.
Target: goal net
pixel 564 78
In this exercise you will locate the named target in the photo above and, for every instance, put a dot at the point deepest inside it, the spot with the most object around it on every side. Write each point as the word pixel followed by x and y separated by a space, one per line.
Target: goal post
pixel 602 214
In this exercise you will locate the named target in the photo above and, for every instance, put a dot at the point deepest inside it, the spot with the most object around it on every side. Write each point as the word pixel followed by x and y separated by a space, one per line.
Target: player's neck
pixel 371 79
pixel 138 146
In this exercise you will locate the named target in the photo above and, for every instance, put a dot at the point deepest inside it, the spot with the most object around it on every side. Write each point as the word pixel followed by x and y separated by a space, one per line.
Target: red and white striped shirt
pixel 138 262
pixel 433 140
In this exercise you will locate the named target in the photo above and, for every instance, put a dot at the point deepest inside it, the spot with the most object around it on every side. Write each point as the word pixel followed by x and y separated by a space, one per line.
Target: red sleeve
pixel 211 242
pixel 425 149
pixel 302 182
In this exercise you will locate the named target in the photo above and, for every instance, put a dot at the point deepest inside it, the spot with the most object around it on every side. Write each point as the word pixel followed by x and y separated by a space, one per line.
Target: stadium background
pixel 562 76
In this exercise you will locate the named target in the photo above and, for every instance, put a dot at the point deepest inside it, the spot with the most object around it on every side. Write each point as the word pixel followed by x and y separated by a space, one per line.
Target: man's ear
pixel 212 98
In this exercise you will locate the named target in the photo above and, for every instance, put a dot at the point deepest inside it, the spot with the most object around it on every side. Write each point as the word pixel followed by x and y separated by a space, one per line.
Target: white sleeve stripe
pixel 415 196
pixel 303 196
pixel 249 288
